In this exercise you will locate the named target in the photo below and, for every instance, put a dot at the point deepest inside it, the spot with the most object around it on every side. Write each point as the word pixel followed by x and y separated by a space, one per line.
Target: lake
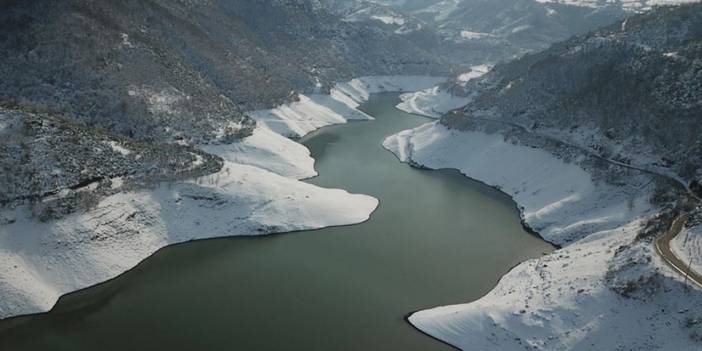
pixel 437 238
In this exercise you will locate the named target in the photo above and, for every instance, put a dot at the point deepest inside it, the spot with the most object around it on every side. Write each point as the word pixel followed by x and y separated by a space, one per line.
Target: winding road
pixel 662 245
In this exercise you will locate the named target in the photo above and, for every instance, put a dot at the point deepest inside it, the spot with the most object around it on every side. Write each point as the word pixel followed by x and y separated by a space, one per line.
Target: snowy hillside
pixel 248 187
pixel 597 141
pixel 170 70
pixel 96 90
pixel 606 289
pixel 629 92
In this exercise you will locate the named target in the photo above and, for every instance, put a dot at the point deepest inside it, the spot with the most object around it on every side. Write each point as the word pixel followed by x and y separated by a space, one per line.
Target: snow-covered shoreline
pixel 258 191
pixel 295 119
pixel 436 101
pixel 602 290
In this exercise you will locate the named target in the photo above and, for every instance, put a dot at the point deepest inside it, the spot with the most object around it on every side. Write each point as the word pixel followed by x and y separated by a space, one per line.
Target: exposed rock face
pixel 185 69
pixel 630 92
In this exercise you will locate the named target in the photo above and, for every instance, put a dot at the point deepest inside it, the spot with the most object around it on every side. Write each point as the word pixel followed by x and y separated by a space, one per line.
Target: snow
pixel 436 101
pixel 688 246
pixel 563 302
pixel 270 151
pixel 566 300
pixel 475 72
pixel 258 191
pixel 163 101
pixel 41 261
pixel 116 147
pixel 559 200
pixel 359 90
pixel 298 118
pixel 390 19
pixel 474 35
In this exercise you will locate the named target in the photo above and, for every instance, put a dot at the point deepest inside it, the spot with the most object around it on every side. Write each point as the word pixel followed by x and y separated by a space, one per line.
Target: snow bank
pixel 436 101
pixel 475 72
pixel 358 91
pixel 311 112
pixel 41 261
pixel 433 102
pixel 559 200
pixel 688 246
pixel 270 151
pixel 257 192
pixel 564 302
pixel 567 300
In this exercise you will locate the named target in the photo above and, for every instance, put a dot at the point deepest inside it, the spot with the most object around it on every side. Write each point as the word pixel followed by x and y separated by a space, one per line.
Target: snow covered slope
pixel 437 101
pixel 257 191
pixel 433 102
pixel 298 118
pixel 631 91
pixel 560 200
pixel 41 261
pixel 605 290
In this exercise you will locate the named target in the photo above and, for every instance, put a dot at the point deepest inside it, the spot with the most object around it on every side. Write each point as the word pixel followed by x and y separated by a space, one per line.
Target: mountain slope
pixel 474 32
pixel 82 75
pixel 164 69
pixel 585 137
pixel 631 92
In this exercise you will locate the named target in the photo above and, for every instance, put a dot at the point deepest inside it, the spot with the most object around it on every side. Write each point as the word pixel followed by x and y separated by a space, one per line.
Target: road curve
pixel 662 245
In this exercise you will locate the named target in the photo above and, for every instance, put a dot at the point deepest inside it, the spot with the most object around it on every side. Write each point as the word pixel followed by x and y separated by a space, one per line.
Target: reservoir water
pixel 437 238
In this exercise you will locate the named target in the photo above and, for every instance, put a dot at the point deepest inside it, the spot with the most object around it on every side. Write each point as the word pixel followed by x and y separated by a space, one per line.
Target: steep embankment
pixel 576 135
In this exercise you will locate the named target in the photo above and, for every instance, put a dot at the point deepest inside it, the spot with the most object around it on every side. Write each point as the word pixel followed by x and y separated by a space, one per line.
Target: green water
pixel 437 238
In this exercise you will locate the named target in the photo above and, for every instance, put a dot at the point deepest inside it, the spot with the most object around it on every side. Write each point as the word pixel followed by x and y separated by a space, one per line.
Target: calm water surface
pixel 437 238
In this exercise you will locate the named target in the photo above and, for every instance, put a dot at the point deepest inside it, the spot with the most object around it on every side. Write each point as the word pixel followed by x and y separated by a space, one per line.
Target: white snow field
pixel 566 300
pixel 268 150
pixel 257 192
pixel 298 118
pixel 437 101
pixel 39 262
pixel 433 102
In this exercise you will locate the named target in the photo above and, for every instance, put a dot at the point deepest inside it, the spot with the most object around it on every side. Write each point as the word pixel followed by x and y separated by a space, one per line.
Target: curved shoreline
pixel 170 246
pixel 33 290
pixel 519 208
pixel 470 324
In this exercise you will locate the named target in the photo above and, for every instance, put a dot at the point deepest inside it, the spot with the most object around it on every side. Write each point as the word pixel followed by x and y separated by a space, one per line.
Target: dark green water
pixel 437 238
